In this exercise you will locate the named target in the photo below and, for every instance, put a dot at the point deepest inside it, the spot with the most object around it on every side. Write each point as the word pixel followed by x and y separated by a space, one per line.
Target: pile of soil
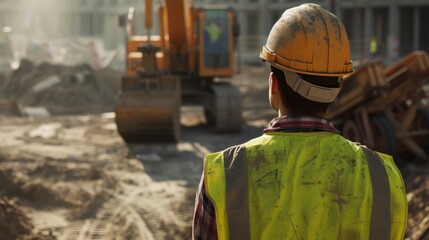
pixel 15 224
pixel 13 221
pixel 61 89
pixel 50 184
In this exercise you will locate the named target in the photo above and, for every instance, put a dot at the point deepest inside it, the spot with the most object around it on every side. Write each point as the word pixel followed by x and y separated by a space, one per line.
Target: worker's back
pixel 303 186
pixel 301 179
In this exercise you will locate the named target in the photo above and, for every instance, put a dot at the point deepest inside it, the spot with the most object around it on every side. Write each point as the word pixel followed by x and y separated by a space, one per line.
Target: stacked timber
pixel 387 108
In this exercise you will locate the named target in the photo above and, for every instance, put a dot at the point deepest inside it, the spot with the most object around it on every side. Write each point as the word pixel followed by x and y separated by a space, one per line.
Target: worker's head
pixel 309 53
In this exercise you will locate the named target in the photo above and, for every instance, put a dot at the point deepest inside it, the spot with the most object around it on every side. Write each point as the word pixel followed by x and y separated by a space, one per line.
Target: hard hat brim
pixel 284 64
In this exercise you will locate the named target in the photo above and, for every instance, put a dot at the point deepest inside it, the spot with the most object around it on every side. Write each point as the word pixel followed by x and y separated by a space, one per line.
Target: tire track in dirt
pixel 102 226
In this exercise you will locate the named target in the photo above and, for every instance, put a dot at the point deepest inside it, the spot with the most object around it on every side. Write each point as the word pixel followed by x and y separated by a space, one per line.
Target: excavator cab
pixel 183 65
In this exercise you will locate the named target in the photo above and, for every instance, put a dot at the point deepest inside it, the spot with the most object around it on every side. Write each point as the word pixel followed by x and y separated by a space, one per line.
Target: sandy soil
pixel 72 177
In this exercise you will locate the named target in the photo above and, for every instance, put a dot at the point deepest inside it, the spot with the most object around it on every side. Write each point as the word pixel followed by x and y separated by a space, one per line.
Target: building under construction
pixel 379 28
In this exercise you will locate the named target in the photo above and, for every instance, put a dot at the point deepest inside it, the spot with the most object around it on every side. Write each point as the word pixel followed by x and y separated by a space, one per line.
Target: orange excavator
pixel 188 63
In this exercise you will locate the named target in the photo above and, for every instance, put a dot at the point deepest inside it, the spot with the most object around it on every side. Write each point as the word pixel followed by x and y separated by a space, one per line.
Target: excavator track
pixel 224 108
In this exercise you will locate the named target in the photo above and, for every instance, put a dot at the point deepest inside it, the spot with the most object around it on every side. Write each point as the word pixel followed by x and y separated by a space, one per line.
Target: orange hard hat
pixel 310 40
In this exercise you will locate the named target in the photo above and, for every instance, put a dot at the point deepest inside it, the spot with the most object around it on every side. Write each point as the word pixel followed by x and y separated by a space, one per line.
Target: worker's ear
pixel 274 96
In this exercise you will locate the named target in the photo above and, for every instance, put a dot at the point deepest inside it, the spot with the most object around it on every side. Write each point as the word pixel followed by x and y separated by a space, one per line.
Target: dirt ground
pixel 73 177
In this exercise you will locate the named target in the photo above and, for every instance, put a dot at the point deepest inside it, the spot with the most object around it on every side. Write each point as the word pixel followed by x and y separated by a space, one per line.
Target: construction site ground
pixel 73 177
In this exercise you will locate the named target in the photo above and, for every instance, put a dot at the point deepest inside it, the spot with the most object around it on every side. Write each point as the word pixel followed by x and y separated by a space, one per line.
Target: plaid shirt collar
pixel 300 124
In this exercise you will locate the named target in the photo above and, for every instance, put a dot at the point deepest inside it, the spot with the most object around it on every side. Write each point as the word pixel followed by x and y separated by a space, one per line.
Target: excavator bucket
pixel 148 111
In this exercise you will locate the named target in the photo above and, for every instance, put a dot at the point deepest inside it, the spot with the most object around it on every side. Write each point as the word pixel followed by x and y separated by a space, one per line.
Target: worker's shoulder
pixel 386 159
pixel 250 143
pixel 358 146
pixel 355 146
pixel 390 165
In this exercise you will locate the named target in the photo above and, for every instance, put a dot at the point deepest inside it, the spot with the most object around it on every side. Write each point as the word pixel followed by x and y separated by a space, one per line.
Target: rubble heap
pixel 14 224
pixel 61 89
pixel 13 221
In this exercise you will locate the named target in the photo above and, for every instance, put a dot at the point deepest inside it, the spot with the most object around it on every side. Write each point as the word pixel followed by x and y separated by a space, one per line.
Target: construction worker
pixel 373 50
pixel 301 179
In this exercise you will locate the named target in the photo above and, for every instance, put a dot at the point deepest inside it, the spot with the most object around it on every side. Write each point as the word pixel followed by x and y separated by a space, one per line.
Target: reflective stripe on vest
pixel 237 193
pixel 380 216
pixel 237 202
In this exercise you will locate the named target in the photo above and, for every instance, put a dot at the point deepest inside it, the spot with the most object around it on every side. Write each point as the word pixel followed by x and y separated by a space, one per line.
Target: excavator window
pixel 216 39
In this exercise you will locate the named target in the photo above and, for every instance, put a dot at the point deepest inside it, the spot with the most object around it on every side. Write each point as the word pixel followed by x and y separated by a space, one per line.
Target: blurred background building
pixel 377 28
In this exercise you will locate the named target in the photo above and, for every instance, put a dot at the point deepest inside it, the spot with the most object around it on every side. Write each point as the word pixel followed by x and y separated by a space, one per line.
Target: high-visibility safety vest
pixel 314 185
